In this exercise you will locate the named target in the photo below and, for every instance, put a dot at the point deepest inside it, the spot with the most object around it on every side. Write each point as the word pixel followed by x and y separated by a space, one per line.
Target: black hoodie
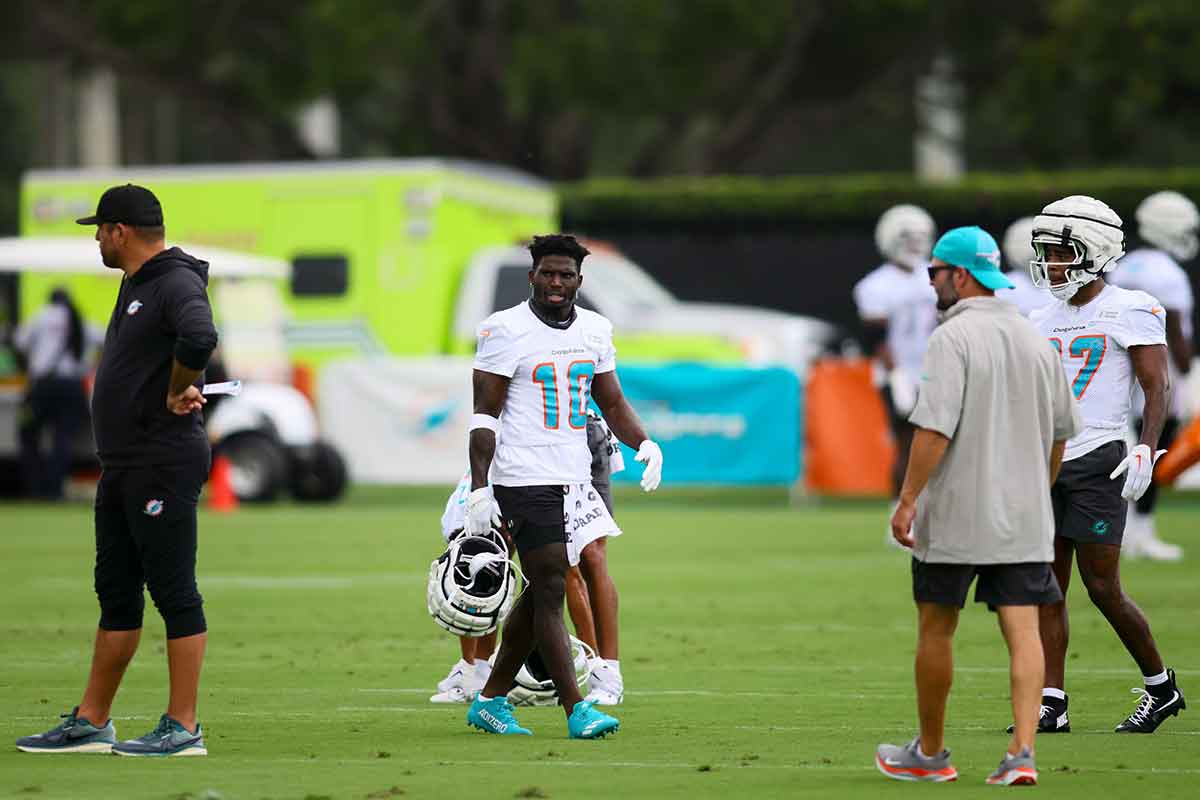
pixel 162 314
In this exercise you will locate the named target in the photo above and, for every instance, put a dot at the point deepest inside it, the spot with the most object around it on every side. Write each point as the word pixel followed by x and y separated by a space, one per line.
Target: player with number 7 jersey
pixel 1107 338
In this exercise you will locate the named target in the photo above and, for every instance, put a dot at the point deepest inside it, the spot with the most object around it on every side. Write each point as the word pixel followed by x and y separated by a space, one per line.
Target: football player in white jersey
pixel 898 309
pixel 1167 224
pixel 1106 337
pixel 1018 252
pixel 537 365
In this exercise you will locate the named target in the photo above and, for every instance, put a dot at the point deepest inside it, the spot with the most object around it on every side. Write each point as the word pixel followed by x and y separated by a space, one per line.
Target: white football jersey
pixel 543 425
pixel 1093 342
pixel 1025 296
pixel 1156 273
pixel 909 304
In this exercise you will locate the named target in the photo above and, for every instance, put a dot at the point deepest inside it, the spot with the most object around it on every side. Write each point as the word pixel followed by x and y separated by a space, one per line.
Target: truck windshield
pixel 625 282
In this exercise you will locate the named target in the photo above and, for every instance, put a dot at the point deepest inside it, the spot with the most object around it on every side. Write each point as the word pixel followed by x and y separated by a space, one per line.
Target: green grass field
pixel 766 652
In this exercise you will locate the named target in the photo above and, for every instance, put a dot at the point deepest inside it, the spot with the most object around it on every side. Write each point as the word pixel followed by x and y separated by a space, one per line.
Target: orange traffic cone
pixel 221 496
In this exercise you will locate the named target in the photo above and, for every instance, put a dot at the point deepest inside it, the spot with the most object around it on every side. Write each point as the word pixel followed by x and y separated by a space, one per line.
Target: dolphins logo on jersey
pixel 133 307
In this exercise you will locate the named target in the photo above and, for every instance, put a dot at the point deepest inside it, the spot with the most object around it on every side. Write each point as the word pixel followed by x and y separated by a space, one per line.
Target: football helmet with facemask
pixel 472 585
pixel 1168 221
pixel 1018 244
pixel 1090 229
pixel 533 685
pixel 904 235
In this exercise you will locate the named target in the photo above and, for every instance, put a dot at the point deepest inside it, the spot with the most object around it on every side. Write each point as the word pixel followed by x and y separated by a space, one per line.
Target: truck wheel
pixel 258 466
pixel 318 474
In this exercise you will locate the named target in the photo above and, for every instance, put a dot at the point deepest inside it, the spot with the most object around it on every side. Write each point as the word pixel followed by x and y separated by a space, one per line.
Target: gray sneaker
pixel 905 763
pixel 75 735
pixel 168 738
pixel 1018 770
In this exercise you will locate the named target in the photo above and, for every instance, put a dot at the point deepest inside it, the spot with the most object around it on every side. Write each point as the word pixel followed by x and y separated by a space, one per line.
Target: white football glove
pixel 651 455
pixel 1139 469
pixel 483 513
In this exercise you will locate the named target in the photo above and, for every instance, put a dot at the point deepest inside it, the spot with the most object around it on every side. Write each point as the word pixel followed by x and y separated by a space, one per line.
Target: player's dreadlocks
pixel 557 244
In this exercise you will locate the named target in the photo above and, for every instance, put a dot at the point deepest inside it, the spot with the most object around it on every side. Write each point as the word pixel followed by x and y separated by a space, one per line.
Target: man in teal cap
pixel 973 251
pixel 993 414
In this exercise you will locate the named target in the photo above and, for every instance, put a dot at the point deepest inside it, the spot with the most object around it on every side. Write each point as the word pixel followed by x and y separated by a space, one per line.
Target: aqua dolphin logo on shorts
pixel 133 307
pixel 1100 527
pixel 153 508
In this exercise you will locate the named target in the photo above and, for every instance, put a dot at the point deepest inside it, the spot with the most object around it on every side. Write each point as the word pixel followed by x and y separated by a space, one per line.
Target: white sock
pixel 921 754
pixel 483 665
pixel 1057 694
pixel 1156 680
pixel 483 699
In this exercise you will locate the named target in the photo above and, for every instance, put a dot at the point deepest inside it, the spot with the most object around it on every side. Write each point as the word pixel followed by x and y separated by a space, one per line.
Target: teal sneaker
pixel 168 738
pixel 76 735
pixel 586 722
pixel 495 716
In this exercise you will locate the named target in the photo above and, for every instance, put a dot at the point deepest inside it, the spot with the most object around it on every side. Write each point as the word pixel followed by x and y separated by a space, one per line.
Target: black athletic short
pixel 534 514
pixel 1027 584
pixel 146 537
pixel 1088 506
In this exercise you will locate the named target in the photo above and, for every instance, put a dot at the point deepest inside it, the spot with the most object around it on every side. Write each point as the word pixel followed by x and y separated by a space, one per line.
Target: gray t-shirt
pixel 994 386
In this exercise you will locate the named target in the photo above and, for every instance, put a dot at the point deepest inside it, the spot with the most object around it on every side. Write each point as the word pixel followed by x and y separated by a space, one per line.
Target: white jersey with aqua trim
pixel 543 425
pixel 1155 272
pixel 906 300
pixel 1093 341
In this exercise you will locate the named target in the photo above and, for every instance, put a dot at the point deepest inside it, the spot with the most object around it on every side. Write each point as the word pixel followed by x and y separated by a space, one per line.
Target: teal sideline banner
pixel 720 425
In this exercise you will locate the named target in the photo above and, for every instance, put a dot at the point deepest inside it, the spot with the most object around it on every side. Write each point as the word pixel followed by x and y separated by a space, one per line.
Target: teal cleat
pixel 586 722
pixel 168 738
pixel 76 735
pixel 495 716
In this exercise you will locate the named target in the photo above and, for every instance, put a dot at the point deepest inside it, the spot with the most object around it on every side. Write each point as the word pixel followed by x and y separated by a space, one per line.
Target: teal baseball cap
pixel 973 249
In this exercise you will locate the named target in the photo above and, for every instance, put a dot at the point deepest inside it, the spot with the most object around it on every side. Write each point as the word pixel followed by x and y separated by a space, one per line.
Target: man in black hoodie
pixel 154 457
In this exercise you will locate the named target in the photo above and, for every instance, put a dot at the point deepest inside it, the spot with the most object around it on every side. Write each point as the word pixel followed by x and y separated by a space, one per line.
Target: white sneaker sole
pixel 91 747
pixel 189 751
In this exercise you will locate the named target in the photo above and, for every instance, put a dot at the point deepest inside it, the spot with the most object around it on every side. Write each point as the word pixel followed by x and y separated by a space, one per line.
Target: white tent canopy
pixel 75 254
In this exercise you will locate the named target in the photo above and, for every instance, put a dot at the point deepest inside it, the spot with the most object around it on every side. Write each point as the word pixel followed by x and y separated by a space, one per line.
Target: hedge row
pixel 852 200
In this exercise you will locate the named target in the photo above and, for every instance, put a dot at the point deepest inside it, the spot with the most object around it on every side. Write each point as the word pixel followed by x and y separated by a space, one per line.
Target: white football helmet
pixel 904 235
pixel 1086 225
pixel 534 687
pixel 1018 244
pixel 472 586
pixel 1168 220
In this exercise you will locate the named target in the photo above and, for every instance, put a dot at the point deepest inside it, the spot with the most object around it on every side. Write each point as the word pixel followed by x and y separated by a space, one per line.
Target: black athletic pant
pixel 59 404
pixel 146 536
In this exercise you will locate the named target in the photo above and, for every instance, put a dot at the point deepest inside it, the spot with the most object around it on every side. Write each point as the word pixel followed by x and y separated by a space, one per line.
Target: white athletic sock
pixel 921 754
pixel 483 665
pixel 483 699
pixel 1156 680
pixel 1057 694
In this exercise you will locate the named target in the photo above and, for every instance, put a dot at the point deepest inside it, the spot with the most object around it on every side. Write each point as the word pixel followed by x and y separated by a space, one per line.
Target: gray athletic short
pixel 1088 506
pixel 1028 584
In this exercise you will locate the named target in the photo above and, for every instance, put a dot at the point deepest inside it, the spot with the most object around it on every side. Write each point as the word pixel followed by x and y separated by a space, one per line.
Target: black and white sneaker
pixel 1154 707
pixel 1053 716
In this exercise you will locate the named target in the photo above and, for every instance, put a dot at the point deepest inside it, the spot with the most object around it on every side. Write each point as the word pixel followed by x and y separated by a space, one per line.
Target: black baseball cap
pixel 129 205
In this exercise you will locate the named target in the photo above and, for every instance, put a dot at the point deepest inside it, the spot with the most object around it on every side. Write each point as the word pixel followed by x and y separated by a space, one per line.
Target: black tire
pixel 318 473
pixel 258 465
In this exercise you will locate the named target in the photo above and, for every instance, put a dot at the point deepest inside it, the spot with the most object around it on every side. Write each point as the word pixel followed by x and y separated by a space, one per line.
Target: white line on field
pixel 681 765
